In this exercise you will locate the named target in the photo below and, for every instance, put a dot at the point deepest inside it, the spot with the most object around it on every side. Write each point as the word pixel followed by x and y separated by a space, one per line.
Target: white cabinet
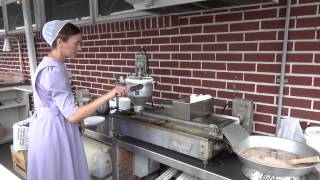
pixel 14 107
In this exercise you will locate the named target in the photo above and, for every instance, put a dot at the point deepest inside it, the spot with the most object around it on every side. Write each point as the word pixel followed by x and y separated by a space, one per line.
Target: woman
pixel 55 150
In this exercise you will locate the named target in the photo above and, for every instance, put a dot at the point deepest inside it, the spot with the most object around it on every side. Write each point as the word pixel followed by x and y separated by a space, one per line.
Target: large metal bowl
pixel 302 150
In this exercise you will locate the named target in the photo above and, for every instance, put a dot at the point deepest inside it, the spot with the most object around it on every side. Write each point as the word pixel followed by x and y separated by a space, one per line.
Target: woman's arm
pixel 86 110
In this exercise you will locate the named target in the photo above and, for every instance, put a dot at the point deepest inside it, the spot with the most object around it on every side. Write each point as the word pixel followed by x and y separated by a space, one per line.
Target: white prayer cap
pixel 51 30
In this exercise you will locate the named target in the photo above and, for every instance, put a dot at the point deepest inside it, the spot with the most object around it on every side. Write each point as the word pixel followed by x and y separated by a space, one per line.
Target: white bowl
pixel 93 120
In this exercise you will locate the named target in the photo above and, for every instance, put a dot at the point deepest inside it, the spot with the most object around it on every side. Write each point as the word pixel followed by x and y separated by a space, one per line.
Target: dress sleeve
pixel 56 82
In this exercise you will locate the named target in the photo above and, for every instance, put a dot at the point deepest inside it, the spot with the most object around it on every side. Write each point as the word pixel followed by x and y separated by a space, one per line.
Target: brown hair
pixel 65 33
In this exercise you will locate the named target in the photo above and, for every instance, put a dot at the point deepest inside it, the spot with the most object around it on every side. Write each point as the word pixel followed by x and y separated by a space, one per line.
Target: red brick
pixel 126 41
pixel 113 42
pixel 143 41
pixel 228 17
pixel 307 46
pixel 118 35
pixel 174 64
pixel 241 86
pixel 297 57
pixel 190 47
pixel 261 57
pixel 241 67
pixel 181 39
pixel 245 26
pixel 204 74
pixel 259 78
pixel 105 49
pixel 293 102
pixel 203 56
pixel 308 22
pixel 300 34
pixel 229 37
pixel 219 102
pixel 185 73
pixel 317 58
pixel 164 87
pixel 215 28
pixel 183 21
pixel 119 62
pixel 161 56
pixel 201 19
pixel 264 128
pixel 114 56
pixel 243 47
pixel 306 69
pixel 115 69
pixel 182 89
pixel 300 11
pixel 269 68
pixel 262 118
pixel 267 89
pixel 273 24
pixel 214 66
pixel 191 82
pixel 191 30
pixel 203 38
pixel 127 56
pixel 151 48
pixel 316 105
pixel 298 80
pixel 190 65
pixel 228 57
pixel 259 36
pixel 214 84
pixel 312 115
pixel 215 47
pixel 261 98
pixel 134 34
pixel 171 31
pixel 133 49
pixel 170 80
pixel 161 71
pixel 270 46
pixel 311 93
pixel 316 81
pixel 204 91
pixel 181 56
pixel 267 109
pixel 150 33
pixel 169 48
pixel 119 49
pixel 169 95
pixel 260 14
pixel 228 94
pixel 161 40
pixel 229 76
pixel 152 63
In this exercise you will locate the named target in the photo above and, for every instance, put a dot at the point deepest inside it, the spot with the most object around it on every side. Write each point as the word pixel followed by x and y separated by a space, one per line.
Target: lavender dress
pixel 55 150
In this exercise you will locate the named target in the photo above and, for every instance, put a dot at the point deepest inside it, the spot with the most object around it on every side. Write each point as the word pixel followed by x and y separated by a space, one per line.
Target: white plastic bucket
pixel 312 135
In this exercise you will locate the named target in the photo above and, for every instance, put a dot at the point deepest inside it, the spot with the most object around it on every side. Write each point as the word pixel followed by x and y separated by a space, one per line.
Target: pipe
pixel 29 37
pixel 283 65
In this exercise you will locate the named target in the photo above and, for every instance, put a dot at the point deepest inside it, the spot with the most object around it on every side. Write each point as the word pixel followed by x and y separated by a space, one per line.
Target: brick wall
pixel 228 52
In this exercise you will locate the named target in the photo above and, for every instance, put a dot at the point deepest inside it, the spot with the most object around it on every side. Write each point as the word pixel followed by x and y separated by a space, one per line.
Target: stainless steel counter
pixel 223 166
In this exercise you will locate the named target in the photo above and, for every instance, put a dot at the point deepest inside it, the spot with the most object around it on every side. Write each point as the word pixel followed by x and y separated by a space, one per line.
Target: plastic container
pixel 21 134
pixel 312 135
pixel 101 164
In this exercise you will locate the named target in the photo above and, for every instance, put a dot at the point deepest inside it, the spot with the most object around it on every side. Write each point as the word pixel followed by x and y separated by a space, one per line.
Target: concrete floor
pixel 5 158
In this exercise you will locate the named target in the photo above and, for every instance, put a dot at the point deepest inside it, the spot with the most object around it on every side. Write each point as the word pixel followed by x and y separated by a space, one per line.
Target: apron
pixel 55 150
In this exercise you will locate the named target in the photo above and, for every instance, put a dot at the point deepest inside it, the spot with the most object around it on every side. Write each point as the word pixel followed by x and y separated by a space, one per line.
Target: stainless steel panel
pixel 174 140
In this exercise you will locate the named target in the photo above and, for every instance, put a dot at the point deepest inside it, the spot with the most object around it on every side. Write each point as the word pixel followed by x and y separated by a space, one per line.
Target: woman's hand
pixel 120 90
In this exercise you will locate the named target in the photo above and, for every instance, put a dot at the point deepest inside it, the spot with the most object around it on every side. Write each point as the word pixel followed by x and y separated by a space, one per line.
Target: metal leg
pixel 114 159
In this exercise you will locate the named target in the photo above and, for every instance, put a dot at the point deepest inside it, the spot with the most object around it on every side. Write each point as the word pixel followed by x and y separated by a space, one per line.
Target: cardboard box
pixel 19 160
